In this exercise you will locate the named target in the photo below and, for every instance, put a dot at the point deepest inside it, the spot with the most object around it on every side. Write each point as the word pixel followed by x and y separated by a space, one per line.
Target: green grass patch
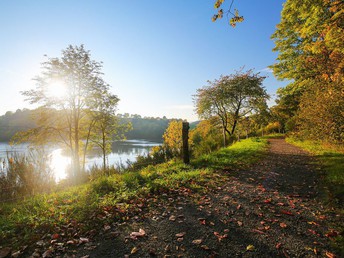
pixel 238 155
pixel 88 206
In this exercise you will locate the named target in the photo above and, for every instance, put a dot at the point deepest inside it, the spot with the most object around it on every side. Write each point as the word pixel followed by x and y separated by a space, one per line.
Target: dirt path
pixel 269 210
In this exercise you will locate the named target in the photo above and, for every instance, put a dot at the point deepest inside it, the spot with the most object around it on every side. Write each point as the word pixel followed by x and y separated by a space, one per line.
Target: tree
pixel 231 98
pixel 106 126
pixel 66 90
pixel 173 137
pixel 310 42
pixel 205 137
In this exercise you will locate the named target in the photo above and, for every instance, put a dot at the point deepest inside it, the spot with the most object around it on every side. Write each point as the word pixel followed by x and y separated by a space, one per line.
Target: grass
pixel 82 208
pixel 236 156
pixel 331 158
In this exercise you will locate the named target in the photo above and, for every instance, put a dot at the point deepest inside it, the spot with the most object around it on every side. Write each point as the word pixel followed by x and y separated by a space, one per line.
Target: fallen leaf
pixel 135 235
pixel 202 221
pixel 205 247
pixel 250 248
pixel 239 223
pixel 291 204
pixel 330 255
pixel 219 236
pixel 267 201
pixel 287 213
pixel 197 241
pixel 332 233
pixel 172 218
pixel 278 245
pixel 181 234
pixel 84 240
pixel 283 225
pixel 134 250
pixel 55 236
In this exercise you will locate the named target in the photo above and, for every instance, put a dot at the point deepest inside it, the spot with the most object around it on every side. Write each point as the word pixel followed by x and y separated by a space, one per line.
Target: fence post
pixel 185 136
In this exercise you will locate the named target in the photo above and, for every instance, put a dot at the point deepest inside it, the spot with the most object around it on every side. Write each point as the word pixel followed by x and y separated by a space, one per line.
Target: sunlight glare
pixel 59 164
pixel 57 89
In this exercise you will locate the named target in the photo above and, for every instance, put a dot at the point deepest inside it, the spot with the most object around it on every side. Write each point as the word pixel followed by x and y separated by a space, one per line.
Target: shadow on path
pixel 268 210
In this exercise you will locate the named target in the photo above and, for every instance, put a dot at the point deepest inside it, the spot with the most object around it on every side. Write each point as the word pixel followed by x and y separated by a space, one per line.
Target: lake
pixel 122 151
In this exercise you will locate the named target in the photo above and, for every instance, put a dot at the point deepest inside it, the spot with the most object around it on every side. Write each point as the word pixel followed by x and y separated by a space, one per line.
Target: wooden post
pixel 185 136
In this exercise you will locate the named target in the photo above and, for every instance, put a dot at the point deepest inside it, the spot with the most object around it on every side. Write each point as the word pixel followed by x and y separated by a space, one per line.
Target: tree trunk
pixel 224 137
pixel 76 149
pixel 185 136
pixel 104 152
pixel 234 126
pixel 86 145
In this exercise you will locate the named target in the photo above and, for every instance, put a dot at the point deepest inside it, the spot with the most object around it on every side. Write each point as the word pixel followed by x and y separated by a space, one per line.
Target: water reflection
pixel 59 164
pixel 122 151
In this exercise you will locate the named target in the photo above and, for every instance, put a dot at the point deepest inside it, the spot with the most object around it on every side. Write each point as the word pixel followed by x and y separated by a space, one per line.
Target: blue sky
pixel 155 53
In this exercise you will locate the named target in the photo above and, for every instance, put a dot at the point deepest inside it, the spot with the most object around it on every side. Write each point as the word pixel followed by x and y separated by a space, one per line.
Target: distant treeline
pixel 148 128
pixel 13 122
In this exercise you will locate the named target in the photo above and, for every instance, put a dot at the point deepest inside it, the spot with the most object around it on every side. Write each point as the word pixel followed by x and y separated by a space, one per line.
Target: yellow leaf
pixel 250 248
pixel 134 250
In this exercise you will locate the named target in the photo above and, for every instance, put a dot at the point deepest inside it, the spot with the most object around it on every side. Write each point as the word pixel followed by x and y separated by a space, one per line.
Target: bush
pixel 25 175
pixel 105 185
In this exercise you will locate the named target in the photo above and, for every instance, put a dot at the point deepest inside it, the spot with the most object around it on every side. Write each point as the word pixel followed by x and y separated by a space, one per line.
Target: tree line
pixel 142 127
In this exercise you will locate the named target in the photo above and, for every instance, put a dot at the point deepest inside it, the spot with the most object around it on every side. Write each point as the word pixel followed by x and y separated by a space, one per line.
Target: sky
pixel 155 54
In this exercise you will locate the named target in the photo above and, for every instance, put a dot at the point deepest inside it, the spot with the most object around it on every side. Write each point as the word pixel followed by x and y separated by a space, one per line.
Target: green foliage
pixel 106 185
pixel 310 42
pixel 14 122
pixel 173 138
pixel 321 113
pixel 148 128
pixel 231 98
pixel 205 138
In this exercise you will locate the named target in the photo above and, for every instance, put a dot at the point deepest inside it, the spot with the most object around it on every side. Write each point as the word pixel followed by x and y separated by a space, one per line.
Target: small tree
pixel 173 137
pixel 66 91
pixel 231 98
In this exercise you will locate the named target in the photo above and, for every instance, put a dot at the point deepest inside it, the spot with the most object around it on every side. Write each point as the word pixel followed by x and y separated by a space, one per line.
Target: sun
pixel 56 89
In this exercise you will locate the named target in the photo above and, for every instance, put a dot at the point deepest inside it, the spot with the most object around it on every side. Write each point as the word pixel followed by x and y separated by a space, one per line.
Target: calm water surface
pixel 122 152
